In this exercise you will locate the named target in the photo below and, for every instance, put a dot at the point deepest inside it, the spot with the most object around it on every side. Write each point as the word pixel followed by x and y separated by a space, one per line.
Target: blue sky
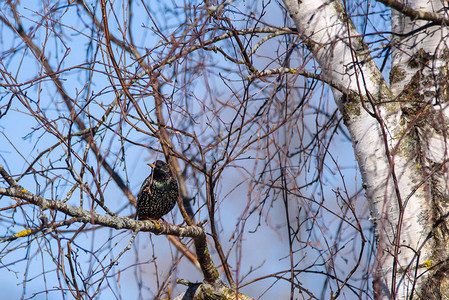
pixel 69 43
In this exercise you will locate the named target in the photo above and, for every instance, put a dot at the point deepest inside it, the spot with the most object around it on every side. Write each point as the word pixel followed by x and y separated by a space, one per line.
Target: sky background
pixel 263 241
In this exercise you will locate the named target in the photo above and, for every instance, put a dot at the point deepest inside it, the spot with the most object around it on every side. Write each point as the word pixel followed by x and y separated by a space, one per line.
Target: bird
pixel 158 194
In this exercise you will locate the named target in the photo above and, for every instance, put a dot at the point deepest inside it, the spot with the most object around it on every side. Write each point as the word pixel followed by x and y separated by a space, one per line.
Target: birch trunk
pixel 399 137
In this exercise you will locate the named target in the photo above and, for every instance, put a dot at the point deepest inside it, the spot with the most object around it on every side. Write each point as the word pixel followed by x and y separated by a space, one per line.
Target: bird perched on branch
pixel 158 194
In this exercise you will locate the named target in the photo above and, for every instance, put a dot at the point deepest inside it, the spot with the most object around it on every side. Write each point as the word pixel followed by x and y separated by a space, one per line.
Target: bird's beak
pixel 152 165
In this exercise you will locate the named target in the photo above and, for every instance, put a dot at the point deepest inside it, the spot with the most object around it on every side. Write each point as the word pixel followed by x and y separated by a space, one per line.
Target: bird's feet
pixel 156 223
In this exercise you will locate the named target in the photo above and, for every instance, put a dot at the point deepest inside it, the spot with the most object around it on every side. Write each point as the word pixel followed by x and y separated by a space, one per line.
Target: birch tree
pixel 303 172
pixel 399 133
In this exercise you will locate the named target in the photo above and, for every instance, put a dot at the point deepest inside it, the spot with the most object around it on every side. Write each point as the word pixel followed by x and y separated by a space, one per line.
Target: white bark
pixel 419 80
pixel 396 156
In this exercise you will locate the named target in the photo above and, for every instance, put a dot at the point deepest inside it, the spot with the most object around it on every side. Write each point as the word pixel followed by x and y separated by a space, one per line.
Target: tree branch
pixel 415 14
pixel 89 217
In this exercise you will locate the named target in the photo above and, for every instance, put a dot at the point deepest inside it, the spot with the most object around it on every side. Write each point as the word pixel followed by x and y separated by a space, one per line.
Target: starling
pixel 158 194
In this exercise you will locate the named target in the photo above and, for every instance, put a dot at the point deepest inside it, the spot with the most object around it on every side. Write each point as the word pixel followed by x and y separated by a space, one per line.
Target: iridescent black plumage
pixel 158 193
